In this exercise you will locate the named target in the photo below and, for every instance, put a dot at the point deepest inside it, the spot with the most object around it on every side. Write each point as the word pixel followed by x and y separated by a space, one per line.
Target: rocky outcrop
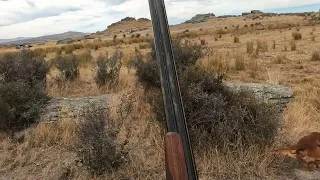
pixel 199 18
pixel 144 19
pixel 60 108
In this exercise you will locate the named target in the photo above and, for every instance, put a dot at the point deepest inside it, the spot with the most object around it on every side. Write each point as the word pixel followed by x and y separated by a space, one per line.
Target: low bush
pixel 22 89
pixel 315 56
pixel 216 116
pixel 108 69
pixel 296 35
pixel 236 39
pixel 250 47
pixel 96 145
pixel 68 67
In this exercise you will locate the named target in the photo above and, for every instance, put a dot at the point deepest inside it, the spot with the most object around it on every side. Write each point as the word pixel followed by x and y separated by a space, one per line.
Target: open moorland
pixel 127 140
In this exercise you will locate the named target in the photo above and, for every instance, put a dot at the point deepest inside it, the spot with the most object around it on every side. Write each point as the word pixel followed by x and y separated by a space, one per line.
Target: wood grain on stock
pixel 175 162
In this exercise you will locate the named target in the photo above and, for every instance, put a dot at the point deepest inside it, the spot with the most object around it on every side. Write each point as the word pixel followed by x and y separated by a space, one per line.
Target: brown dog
pixel 307 150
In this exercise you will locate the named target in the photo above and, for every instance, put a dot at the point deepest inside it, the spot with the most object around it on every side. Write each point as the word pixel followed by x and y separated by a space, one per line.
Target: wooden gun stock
pixel 176 168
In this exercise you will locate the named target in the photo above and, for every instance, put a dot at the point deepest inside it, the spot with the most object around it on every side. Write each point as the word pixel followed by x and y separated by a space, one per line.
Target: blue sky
pixel 31 18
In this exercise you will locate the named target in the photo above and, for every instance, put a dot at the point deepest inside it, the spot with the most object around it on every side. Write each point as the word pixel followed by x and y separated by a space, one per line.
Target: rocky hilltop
pixel 127 25
pixel 199 18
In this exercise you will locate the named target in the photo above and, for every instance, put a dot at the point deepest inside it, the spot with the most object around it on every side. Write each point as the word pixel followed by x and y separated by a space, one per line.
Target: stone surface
pixel 60 108
pixel 307 175
pixel 271 94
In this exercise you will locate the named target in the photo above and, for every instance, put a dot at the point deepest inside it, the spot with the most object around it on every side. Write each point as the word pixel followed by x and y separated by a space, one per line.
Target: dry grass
pixel 274 76
pixel 262 46
pixel 250 47
pixel 313 38
pixel 274 44
pixel 293 45
pixel 280 59
pixel 315 56
pixel 239 63
pixel 217 62
pixel 302 116
pixel 53 134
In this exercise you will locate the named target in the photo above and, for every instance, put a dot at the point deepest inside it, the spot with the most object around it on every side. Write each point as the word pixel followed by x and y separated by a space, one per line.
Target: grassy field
pixel 259 54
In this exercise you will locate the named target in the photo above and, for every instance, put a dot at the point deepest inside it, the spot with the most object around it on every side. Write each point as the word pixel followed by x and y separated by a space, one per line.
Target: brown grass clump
pixel 315 56
pixel 280 59
pixel 313 38
pixel 274 44
pixel 217 62
pixel 236 39
pixel 296 35
pixel 239 63
pixel 293 45
pixel 253 67
pixel 262 46
pixel 48 134
pixel 203 42
pixel 59 51
pixel 85 58
pixel 250 47
pixel 143 46
pixel 274 76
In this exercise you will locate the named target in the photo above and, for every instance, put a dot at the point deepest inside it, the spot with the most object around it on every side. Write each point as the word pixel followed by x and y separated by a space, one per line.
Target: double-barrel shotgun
pixel 180 164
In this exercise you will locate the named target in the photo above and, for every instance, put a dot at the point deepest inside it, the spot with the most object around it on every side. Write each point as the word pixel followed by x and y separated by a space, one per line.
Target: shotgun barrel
pixel 176 120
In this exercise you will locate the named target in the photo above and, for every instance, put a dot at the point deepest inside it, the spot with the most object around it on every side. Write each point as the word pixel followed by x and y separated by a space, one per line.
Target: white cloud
pixel 30 18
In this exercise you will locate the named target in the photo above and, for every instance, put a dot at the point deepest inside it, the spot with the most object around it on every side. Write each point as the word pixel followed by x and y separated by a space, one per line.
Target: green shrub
pixel 22 89
pixel 97 146
pixel 108 69
pixel 216 116
pixel 68 67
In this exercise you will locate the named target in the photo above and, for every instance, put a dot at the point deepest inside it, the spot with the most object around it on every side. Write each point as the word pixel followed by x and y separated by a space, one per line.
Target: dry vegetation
pixel 97 67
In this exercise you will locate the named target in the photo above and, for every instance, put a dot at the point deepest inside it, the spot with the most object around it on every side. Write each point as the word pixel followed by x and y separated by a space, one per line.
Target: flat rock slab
pixel 60 108
pixel 307 175
pixel 271 94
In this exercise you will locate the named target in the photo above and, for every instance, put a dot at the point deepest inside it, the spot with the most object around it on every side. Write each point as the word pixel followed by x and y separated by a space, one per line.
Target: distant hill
pixel 43 39
pixel 14 39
